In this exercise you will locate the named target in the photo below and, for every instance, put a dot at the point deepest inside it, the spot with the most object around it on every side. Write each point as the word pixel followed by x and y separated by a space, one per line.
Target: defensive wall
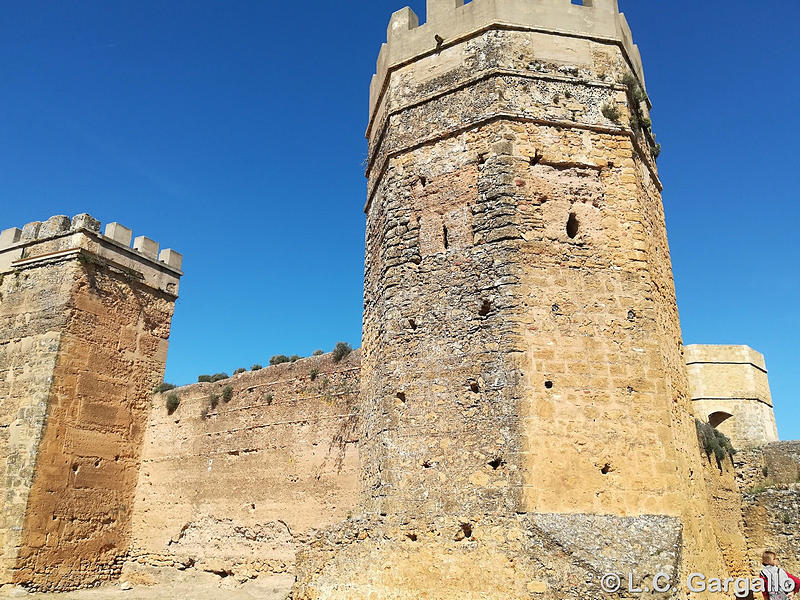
pixel 232 487
pixel 523 418
pixel 235 489
pixel 769 480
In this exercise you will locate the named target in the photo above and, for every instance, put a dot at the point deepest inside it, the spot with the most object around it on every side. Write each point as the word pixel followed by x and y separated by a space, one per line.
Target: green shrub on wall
pixel 341 350
pixel 163 387
pixel 227 393
pixel 713 441
pixel 172 403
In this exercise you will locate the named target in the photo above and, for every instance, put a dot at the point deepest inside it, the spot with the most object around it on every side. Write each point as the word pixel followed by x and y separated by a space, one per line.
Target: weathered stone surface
pixel 241 483
pixel 523 424
pixel 33 315
pixel 83 340
pixel 521 344
pixel 768 478
pixel 85 221
pixel 730 389
pixel 518 556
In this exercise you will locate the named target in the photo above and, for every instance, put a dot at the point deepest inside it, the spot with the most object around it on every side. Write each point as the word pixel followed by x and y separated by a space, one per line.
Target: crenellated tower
pixel 84 328
pixel 524 393
pixel 514 239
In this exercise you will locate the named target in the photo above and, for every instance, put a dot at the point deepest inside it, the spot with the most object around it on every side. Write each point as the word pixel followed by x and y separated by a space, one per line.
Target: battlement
pixel 61 238
pixel 449 21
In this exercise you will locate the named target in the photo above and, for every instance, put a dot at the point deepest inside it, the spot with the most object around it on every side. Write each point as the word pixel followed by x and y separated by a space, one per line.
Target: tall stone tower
pixel 523 387
pixel 730 389
pixel 84 324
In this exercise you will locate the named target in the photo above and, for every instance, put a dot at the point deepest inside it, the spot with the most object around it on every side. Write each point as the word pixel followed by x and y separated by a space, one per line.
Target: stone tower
pixel 730 389
pixel 84 324
pixel 523 385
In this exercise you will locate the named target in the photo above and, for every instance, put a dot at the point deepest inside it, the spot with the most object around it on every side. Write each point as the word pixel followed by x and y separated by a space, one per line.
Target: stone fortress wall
pixel 237 489
pixel 521 338
pixel 768 477
pixel 234 489
pixel 84 324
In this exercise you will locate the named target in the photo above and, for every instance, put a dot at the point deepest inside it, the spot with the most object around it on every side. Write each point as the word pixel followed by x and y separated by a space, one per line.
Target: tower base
pixel 490 557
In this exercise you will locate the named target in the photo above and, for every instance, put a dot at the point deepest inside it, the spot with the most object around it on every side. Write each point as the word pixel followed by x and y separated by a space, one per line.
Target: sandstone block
pixel 119 233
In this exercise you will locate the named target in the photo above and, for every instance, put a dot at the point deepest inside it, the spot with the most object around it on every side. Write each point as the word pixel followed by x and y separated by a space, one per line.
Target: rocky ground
pixel 202 586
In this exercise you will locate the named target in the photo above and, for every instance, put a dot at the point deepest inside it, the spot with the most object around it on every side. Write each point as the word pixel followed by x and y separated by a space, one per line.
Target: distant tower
pixel 522 352
pixel 84 324
pixel 730 389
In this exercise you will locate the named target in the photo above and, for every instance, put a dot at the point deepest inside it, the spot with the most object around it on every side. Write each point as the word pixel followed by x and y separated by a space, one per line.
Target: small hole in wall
pixel 116 458
pixel 631 315
pixel 496 463
pixel 473 386
pixel 412 324
pixel 96 464
pixel 482 158
pixel 54 517
pixel 444 237
pixel 572 225
pixel 485 308
pixel 423 180
pixel 466 529
pixel 74 468
pixel 401 396
pixel 548 384
pixel 606 469
pixel 412 536
pixel 555 308
pixel 535 159
pixel 426 464
pixel 252 507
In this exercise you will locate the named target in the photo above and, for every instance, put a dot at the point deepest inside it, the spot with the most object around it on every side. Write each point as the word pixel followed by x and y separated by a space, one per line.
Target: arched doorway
pixel 715 419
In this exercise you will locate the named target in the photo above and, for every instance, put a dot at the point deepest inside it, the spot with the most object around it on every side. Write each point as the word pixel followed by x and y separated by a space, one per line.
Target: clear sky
pixel 233 132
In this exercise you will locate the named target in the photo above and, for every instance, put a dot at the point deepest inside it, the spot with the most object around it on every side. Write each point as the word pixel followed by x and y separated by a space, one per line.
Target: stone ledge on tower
pixel 60 238
pixel 453 20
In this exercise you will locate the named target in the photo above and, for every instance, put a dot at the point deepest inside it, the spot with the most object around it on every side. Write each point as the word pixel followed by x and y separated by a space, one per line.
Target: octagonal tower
pixel 523 387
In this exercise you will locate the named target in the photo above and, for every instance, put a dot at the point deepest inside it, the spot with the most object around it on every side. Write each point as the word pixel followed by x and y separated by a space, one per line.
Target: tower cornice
pixel 451 22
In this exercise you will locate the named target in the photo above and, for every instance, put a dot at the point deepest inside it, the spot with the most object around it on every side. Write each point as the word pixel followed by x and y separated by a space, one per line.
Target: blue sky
pixel 233 132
